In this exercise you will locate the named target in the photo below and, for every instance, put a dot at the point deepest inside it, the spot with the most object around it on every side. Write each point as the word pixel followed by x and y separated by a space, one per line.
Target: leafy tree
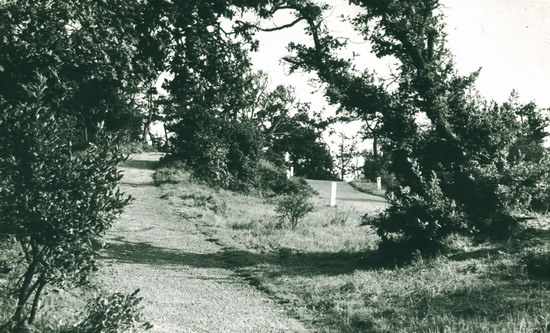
pixel 216 98
pixel 347 152
pixel 208 92
pixel 58 168
pixel 289 129
pixel 95 56
pixel 221 152
pixel 462 151
pixel 54 202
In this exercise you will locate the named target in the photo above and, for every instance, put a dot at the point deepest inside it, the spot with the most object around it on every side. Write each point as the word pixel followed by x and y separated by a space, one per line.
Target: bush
pixel 112 314
pixel 526 185
pixel 274 179
pixel 54 202
pixel 537 264
pixel 418 221
pixel 135 147
pixel 292 208
pixel 220 152
pixel 171 172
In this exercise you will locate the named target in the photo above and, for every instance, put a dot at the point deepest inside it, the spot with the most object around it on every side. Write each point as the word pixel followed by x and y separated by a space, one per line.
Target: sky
pixel 508 39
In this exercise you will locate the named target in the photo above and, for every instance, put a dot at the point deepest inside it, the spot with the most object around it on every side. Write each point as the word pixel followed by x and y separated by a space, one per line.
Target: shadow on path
pixel 140 164
pixel 147 254
pixel 296 264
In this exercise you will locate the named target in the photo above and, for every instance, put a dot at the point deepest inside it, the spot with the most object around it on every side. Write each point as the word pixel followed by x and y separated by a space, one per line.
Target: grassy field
pixel 328 274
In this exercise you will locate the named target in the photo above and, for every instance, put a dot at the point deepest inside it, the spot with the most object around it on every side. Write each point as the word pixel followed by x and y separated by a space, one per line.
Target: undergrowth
pixel 89 309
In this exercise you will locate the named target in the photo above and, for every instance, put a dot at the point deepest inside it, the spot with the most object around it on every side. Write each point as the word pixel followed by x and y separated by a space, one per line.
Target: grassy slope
pixel 322 271
pixel 367 187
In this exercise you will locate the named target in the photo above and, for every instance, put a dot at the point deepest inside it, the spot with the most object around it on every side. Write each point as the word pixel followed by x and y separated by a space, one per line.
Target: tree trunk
pixel 24 294
pixel 166 143
pixel 36 300
pixel 375 146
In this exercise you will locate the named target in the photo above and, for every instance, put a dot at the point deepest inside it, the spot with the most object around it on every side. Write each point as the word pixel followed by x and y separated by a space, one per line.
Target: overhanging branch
pixel 284 26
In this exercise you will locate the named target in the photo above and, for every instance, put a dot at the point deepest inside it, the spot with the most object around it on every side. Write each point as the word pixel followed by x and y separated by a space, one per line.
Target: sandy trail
pixel 185 284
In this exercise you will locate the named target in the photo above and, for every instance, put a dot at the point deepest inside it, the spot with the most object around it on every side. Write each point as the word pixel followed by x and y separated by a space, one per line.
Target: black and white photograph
pixel 275 166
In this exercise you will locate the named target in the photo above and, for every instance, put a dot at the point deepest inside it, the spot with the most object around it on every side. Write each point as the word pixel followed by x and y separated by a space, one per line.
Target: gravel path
pixel 185 284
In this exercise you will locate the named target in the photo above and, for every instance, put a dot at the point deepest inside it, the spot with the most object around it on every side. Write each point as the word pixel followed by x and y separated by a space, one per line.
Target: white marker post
pixel 379 183
pixel 333 195
pixel 290 171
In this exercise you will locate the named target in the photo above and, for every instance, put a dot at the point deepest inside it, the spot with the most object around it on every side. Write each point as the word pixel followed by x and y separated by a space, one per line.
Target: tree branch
pixel 289 25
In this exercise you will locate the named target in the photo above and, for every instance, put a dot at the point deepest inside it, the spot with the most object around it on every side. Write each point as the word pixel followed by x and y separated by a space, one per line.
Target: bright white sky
pixel 509 39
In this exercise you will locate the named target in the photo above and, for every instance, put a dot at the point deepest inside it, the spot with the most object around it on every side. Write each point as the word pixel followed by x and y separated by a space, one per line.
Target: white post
pixel 333 194
pixel 379 183
pixel 291 171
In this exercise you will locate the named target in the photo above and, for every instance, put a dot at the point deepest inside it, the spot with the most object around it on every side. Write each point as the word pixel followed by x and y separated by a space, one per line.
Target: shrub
pixel 208 200
pixel 219 151
pixel 171 172
pixel 418 221
pixel 274 179
pixel 114 313
pixel 135 147
pixel 292 208
pixel 53 201
pixel 537 264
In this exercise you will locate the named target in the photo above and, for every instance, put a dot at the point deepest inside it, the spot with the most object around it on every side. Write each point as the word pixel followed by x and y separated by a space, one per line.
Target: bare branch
pixel 284 26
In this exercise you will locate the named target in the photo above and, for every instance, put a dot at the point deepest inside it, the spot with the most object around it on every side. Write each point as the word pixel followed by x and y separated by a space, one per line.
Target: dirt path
pixel 185 284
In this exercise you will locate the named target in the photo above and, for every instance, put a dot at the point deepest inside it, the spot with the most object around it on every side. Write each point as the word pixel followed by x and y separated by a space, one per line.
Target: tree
pixel 458 156
pixel 95 57
pixel 215 93
pixel 347 153
pixel 54 202
pixel 289 129
pixel 64 68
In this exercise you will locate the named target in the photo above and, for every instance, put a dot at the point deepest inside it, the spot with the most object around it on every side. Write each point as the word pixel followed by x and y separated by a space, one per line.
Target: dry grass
pixel 327 272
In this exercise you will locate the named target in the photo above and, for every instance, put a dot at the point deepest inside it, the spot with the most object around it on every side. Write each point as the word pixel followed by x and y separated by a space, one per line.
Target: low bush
pixel 135 147
pixel 207 200
pixel 537 264
pixel 292 208
pixel 112 314
pixel 418 222
pixel 171 172
pixel 274 179
pixel 339 217
pixel 368 187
